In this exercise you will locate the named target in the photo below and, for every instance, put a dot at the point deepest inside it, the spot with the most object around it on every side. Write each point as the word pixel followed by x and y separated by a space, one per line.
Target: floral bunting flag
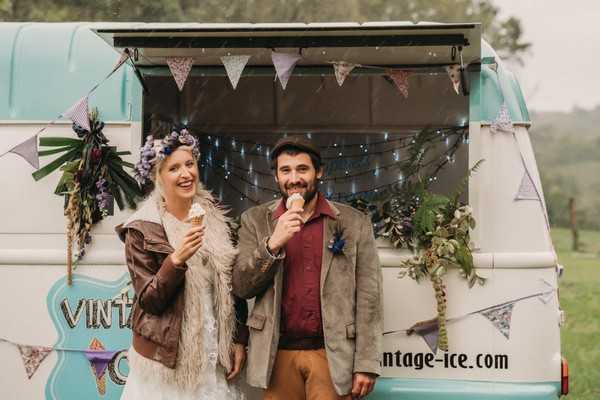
pixel 527 189
pixel 400 78
pixel 78 113
pixel 29 151
pixel 234 66
pixel 502 123
pixel 454 74
pixel 33 356
pixel 500 316
pixel 284 64
pixel 342 70
pixel 180 69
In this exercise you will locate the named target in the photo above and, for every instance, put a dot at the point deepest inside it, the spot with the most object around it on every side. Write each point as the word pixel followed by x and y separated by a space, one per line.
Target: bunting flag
pixel 122 59
pixel 400 78
pixel 33 356
pixel 29 151
pixel 342 70
pixel 99 360
pixel 234 66
pixel 502 123
pixel 549 294
pixel 180 69
pixel 428 330
pixel 284 64
pixel 527 190
pixel 500 316
pixel 78 113
pixel 96 345
pixel 454 74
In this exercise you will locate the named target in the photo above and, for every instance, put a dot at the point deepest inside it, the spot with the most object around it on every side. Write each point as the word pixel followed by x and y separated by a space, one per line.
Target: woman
pixel 187 341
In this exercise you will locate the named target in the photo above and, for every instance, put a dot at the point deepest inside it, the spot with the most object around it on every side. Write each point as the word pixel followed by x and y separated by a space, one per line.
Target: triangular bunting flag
pixel 99 360
pixel 234 66
pixel 180 68
pixel 546 296
pixel 78 113
pixel 500 317
pixel 122 58
pixel 33 356
pixel 29 151
pixel 428 330
pixel 400 78
pixel 342 70
pixel 454 74
pixel 527 189
pixel 431 338
pixel 502 123
pixel 284 64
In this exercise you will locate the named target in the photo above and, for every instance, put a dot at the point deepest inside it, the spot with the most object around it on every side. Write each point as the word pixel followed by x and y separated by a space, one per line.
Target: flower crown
pixel 155 150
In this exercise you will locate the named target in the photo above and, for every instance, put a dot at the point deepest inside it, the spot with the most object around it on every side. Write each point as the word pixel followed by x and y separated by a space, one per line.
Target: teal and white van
pixel 504 336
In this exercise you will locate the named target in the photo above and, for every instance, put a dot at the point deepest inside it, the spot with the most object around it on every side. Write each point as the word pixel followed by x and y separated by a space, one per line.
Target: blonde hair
pixel 158 164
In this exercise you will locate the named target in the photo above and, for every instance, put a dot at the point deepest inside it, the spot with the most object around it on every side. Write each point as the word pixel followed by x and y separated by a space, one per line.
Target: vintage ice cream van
pixel 364 92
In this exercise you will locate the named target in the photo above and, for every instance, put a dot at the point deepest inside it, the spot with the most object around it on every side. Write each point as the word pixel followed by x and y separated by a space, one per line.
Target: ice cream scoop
pixel 196 214
pixel 295 201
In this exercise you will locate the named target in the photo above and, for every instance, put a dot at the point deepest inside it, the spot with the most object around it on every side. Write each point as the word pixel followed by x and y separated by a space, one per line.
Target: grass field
pixel 580 299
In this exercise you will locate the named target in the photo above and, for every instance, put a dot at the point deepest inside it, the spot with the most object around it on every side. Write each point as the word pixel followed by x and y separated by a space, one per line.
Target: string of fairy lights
pixel 242 178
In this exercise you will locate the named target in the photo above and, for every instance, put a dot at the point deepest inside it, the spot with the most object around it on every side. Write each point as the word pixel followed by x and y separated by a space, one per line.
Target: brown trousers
pixel 301 375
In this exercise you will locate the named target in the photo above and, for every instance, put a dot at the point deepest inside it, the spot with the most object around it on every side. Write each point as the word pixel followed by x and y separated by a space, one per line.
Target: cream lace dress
pixel 203 377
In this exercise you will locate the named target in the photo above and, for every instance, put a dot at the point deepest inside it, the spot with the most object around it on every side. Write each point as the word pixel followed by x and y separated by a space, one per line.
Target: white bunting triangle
pixel 527 190
pixel 342 70
pixel 234 66
pixel 78 113
pixel 29 151
pixel 180 69
pixel 503 122
pixel 500 317
pixel 284 64
pixel 32 357
pixel 454 75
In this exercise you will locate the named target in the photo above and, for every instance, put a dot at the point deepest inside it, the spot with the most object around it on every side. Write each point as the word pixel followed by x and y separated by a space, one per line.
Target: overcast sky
pixel 563 69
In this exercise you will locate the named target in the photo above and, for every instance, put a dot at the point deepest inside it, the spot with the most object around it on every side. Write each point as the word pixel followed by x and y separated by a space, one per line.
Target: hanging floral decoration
pixel 93 178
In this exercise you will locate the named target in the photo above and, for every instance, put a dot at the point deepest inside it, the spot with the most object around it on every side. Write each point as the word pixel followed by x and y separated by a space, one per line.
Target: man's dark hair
pixel 292 151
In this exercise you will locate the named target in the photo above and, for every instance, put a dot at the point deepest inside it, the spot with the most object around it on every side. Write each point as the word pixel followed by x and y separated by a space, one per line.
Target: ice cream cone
pixel 197 220
pixel 295 202
pixel 196 214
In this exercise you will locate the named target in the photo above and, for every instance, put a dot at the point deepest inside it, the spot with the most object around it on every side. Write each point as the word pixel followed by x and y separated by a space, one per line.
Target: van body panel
pixel 427 389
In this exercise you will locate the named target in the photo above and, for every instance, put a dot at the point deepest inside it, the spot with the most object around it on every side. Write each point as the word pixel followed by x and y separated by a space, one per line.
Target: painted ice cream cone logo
pixel 196 214
pixel 100 378
pixel 295 202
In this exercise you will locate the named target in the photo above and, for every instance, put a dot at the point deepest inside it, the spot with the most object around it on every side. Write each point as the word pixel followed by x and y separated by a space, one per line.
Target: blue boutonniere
pixel 337 243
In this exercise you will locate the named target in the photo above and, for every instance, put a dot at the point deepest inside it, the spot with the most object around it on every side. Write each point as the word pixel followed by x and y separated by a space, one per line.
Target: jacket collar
pixel 147 220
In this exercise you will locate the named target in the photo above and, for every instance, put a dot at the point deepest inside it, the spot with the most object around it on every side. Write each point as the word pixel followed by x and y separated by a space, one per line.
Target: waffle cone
pixel 197 220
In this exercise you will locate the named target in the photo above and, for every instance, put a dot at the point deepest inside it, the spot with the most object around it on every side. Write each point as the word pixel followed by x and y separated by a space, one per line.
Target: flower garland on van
pixel 93 179
pixel 434 227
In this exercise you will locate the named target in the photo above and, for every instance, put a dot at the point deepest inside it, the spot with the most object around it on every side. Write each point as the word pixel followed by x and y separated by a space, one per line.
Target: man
pixel 317 322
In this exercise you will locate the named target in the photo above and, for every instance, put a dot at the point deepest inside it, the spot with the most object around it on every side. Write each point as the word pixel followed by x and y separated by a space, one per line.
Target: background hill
pixel 567 148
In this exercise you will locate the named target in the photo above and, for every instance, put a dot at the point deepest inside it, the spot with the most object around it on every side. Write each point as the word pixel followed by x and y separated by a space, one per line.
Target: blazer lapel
pixel 328 231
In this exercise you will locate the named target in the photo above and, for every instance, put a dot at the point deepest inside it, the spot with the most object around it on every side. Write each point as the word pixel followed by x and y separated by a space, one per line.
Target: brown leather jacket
pixel 158 285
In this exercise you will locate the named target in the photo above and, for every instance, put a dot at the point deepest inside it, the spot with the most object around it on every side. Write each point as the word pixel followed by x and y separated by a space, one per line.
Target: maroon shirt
pixel 301 324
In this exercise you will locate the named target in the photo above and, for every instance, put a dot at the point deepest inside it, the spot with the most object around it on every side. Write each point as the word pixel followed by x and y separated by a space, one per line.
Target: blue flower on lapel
pixel 337 243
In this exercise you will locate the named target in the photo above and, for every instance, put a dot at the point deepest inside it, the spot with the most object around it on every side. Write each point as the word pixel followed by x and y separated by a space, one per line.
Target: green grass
pixel 580 299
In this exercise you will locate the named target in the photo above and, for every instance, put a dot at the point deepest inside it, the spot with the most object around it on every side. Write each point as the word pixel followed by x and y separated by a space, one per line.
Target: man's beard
pixel 309 194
